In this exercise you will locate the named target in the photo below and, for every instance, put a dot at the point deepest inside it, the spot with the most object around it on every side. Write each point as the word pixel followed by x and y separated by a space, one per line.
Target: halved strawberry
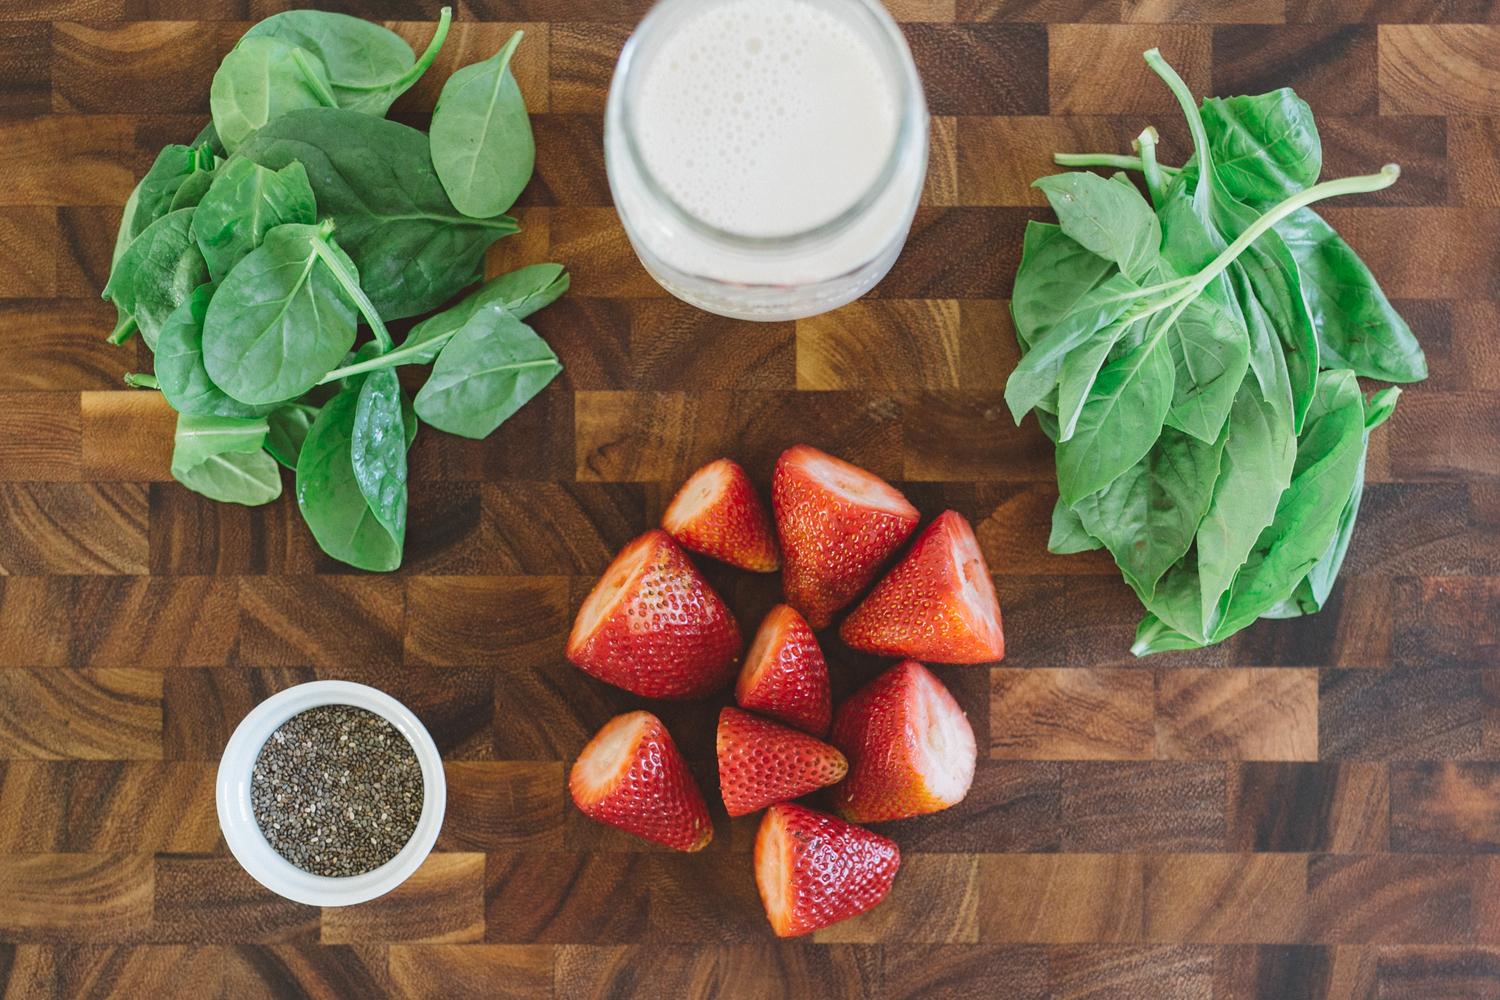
pixel 631 776
pixel 814 869
pixel 910 747
pixel 938 604
pixel 718 513
pixel 838 523
pixel 763 762
pixel 654 626
pixel 785 675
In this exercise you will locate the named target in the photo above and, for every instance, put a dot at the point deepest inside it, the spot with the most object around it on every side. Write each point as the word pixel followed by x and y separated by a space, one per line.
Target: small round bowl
pixel 255 853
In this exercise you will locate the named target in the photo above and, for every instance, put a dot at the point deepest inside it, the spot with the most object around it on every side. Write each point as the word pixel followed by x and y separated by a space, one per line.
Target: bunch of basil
pixel 1194 358
pixel 248 261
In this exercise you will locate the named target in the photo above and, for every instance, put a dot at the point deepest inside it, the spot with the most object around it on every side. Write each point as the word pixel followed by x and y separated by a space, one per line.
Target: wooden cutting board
pixel 1310 810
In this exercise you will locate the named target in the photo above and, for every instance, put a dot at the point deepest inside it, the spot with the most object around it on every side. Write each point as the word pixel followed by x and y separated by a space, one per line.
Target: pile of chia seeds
pixel 337 790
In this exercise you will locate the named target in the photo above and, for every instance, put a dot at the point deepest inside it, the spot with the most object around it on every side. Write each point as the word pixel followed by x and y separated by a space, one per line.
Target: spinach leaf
pixel 180 373
pixel 284 316
pixel 375 179
pixel 1265 147
pixel 329 496
pixel 521 292
pixel 192 189
pixel 1329 454
pixel 222 458
pixel 1108 219
pixel 261 79
pixel 1068 533
pixel 488 371
pixel 1148 517
pixel 1119 422
pixel 208 137
pixel 1356 325
pixel 378 449
pixel 287 427
pixel 152 197
pixel 157 272
pixel 244 203
pixel 368 66
pixel 482 145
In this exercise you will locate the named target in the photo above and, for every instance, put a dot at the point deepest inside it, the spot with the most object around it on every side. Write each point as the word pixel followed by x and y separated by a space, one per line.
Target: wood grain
pixel 1310 811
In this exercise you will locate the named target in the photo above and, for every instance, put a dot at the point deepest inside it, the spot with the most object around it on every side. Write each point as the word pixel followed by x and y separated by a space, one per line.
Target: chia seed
pixel 337 790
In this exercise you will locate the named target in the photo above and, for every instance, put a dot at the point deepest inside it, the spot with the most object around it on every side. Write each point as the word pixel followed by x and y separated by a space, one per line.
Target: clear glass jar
pixel 785 275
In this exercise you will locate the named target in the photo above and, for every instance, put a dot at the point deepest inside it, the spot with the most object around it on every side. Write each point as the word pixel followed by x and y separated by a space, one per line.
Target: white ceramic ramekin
pixel 249 845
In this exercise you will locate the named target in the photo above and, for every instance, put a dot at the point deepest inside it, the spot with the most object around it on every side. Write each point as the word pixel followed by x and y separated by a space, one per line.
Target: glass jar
pixel 781 275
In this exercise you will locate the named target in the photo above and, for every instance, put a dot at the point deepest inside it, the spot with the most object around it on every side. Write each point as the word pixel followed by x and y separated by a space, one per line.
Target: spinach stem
pixel 123 330
pixel 1156 183
pixel 389 359
pixel 351 287
pixel 412 75
pixel 1109 160
pixel 314 83
pixel 141 380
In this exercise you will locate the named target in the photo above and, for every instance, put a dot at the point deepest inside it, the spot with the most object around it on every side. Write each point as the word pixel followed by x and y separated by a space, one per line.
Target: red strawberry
pixel 785 675
pixel 654 626
pixel 910 748
pixel 838 523
pixel 814 869
pixel 718 513
pixel 763 762
pixel 631 776
pixel 938 604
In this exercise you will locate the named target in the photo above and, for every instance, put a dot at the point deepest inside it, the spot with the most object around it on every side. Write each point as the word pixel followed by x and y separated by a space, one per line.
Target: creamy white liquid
pixel 765 117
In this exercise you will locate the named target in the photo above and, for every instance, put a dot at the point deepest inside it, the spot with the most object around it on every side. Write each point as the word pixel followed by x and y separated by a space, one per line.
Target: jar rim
pixel 912 117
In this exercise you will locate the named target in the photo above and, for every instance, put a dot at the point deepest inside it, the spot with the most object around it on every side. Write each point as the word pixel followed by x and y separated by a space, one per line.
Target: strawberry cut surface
pixel 785 675
pixel 762 763
pixel 653 625
pixel 813 869
pixel 718 513
pixel 838 524
pixel 937 604
pixel 910 747
pixel 631 776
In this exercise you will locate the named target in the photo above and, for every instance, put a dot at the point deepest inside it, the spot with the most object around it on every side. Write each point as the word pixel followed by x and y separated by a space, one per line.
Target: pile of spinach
pixel 1194 359
pixel 251 260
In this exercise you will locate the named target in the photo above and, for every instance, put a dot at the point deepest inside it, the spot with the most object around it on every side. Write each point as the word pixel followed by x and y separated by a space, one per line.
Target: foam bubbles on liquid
pixel 765 116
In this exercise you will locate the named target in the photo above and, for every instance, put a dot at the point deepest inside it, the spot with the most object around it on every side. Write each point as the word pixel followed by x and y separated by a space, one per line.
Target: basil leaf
pixel 222 458
pixel 180 372
pixel 1056 274
pixel 368 66
pixel 1119 422
pixel 245 202
pixel 376 181
pixel 261 79
pixel 1265 147
pixel 1329 454
pixel 282 318
pixel 378 449
pixel 482 145
pixel 1106 218
pixel 1068 533
pixel 1211 353
pixel 329 496
pixel 488 371
pixel 287 429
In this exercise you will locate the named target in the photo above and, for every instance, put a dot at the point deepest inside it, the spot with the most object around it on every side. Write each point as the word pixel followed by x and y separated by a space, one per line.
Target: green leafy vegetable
pixel 1196 369
pixel 287 427
pixel 262 79
pixel 156 274
pixel 244 203
pixel 376 180
pixel 482 145
pixel 284 316
pixel 180 373
pixel 378 449
pixel 490 369
pixel 223 458
pixel 368 66
pixel 329 494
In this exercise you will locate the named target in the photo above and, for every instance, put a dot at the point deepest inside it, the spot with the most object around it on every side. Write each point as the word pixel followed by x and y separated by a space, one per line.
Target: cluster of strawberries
pixel 899 747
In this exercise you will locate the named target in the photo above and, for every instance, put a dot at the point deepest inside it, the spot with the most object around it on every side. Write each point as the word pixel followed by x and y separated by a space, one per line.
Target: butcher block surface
pixel 1311 810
